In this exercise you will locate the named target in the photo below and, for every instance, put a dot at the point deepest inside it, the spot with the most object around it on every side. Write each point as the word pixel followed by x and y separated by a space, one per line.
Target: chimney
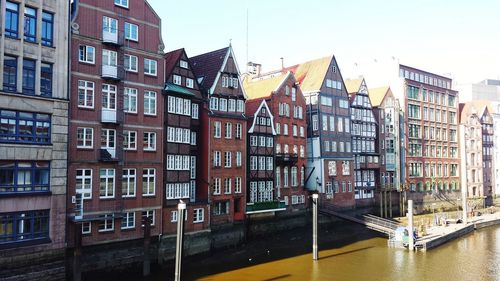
pixel 254 68
pixel 282 63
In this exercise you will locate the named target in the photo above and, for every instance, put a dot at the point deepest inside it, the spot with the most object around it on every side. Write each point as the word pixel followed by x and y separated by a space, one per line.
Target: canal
pixel 347 252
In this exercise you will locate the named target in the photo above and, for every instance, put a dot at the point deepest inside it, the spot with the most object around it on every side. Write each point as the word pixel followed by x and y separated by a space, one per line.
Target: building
pixel 431 122
pixel 471 154
pixel 487 91
pixel 223 131
pixel 33 136
pixel 262 194
pixel 117 118
pixel 329 167
pixel 387 112
pixel 287 105
pixel 364 143
pixel 181 178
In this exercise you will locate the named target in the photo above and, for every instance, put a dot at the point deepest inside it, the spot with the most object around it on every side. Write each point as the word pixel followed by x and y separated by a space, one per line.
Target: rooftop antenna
pixel 247 35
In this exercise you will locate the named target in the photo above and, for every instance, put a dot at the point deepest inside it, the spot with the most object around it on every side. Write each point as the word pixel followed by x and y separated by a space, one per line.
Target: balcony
pixel 286 158
pixel 111 36
pixel 111 72
pixel 108 155
pixel 265 207
pixel 108 115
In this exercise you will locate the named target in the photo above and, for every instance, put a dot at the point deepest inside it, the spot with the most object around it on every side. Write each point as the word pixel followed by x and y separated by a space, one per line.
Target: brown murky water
pixel 354 254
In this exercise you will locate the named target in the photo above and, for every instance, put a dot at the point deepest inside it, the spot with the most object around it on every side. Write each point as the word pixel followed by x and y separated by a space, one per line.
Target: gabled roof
pixel 208 65
pixel 481 106
pixel 352 85
pixel 466 110
pixel 263 103
pixel 171 59
pixel 257 88
pixel 311 74
pixel 377 95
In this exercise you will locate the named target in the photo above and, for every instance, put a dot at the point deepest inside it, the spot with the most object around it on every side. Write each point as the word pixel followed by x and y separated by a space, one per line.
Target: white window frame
pixel 127 136
pixel 183 64
pixel 228 129
pixel 84 131
pixel 216 186
pixel 121 3
pixel 86 181
pixel 131 27
pixel 198 215
pixel 149 141
pixel 237 185
pixel 150 70
pixel 177 79
pixel 89 89
pixel 86 53
pixel 189 83
pixel 194 111
pixel 129 179
pixel 109 178
pixel 105 218
pixel 86 227
pixel 149 176
pixel 128 220
pixel 130 95
pixel 131 67
pixel 109 58
pixel 227 159
pixel 217 129
pixel 150 103
pixel 149 213
pixel 238 158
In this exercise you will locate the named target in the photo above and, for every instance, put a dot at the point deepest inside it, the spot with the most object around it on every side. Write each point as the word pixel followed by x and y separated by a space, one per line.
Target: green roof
pixel 170 87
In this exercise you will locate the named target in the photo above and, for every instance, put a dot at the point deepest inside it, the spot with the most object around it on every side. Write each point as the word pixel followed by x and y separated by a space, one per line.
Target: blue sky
pixel 445 37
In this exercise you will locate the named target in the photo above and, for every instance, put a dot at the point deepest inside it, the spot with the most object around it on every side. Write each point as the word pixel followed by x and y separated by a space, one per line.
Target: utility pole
pixel 315 226
pixel 181 207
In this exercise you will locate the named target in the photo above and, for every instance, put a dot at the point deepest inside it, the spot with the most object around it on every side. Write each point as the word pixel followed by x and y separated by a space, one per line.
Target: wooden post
pixel 411 243
pixel 77 253
pixel 146 265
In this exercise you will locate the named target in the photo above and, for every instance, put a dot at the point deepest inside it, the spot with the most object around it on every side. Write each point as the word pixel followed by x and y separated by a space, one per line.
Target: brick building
pixel 33 136
pixel 116 128
pixel 364 145
pixel 183 99
pixel 431 123
pixel 329 167
pixel 223 131
pixel 287 105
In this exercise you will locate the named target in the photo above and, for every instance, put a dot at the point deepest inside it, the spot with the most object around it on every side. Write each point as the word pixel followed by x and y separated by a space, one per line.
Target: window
pixel 227 159
pixel 84 182
pixel 131 31
pixel 174 216
pixel 193 138
pixel 231 105
pixel 228 128
pixel 150 67
pixel 222 104
pixel 85 94
pixel 128 182
pixel 238 131
pixel 29 24
pixel 285 129
pixel 192 170
pixel 227 186
pixel 217 160
pixel 238 158
pixel 110 25
pixel 11 19
pixel 294 94
pixel 183 64
pixel 129 140
pixel 237 185
pixel 177 79
pixel 240 106
pixel 131 63
pixel 198 215
pixel 221 208
pixel 128 220
pixel 177 190
pixel 24 177
pixel 86 227
pixel 285 177
pixel 123 3
pixel 315 122
pixel 107 183
pixel 217 129
pixel 46 79
pixel 270 165
pixel 47 28
pixel 24 127
pixel 149 103
pixel 149 141
pixel 29 69
pixel 216 184
pixel 294 176
pixel 10 74
pixel 107 223
pixel 84 137
pixel 108 97
pixel 148 182
pixel 86 54
pixel 24 226
pixel 108 138
pixel 189 83
pixel 149 214
pixel 346 170
pixel 130 100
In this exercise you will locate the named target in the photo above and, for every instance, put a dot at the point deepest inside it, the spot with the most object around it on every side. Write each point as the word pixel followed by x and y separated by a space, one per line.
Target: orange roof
pixel 377 95
pixel 257 88
pixel 311 74
pixel 353 85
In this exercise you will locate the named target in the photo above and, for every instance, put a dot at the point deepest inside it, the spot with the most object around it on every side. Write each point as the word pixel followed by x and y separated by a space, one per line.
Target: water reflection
pixel 475 257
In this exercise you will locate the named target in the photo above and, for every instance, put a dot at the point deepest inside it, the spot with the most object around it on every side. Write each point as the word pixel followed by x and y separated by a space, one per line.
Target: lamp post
pixel 315 226
pixel 181 207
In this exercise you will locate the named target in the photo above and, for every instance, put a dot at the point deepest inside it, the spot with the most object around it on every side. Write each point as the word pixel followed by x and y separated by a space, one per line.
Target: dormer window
pixel 224 81
pixel 287 90
pixel 177 80
pixel 189 83
pixel 183 64
pixel 294 94
pixel 122 3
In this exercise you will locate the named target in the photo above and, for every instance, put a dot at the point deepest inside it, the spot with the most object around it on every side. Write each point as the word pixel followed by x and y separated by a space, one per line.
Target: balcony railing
pixel 112 36
pixel 286 158
pixel 108 155
pixel 108 115
pixel 264 207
